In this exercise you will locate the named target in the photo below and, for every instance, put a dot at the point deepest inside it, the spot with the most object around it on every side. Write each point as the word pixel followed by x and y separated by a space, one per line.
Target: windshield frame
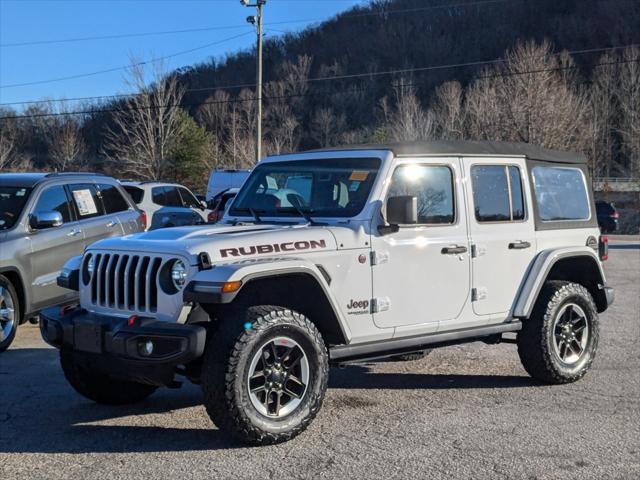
pixel 371 164
pixel 21 209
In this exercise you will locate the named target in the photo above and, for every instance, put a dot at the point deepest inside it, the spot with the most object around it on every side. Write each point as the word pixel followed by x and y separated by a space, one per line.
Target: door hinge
pixel 380 304
pixel 378 258
pixel 477 251
pixel 478 294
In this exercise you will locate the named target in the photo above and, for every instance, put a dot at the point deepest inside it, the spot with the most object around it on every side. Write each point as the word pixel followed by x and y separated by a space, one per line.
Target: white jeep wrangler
pixel 342 255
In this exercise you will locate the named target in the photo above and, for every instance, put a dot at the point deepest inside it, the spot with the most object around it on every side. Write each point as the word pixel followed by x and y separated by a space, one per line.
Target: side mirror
pixel 203 205
pixel 44 220
pixel 401 210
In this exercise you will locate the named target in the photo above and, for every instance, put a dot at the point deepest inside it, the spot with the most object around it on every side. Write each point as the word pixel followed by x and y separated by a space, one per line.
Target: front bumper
pixel 111 345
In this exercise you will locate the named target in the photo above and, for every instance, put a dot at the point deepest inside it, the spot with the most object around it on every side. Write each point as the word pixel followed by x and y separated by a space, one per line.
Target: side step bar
pixel 384 348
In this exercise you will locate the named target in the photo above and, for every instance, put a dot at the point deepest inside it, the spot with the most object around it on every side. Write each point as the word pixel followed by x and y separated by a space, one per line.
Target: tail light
pixel 212 217
pixel 603 248
pixel 143 219
pixel 615 215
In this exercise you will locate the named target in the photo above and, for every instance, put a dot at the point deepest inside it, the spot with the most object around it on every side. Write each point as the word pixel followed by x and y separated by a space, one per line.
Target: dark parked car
pixel 607 216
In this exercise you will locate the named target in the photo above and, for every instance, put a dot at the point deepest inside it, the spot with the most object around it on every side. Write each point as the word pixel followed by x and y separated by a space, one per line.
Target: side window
pixel 54 199
pixel 172 197
pixel 159 196
pixel 188 200
pixel 432 185
pixel 112 199
pixel 561 193
pixel 136 194
pixel 85 198
pixel 497 193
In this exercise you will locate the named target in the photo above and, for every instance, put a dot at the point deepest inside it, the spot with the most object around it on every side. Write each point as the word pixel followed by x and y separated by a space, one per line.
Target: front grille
pixel 125 282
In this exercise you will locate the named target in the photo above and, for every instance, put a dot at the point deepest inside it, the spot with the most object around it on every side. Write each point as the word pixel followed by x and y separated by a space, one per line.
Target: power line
pixel 227 27
pixel 346 76
pixel 115 69
pixel 278 97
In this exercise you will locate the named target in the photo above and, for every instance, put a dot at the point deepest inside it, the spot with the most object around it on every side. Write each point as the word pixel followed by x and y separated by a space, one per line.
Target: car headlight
pixel 178 274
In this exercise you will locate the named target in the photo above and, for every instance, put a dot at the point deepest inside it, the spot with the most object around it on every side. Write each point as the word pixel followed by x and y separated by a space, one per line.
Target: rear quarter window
pixel 561 194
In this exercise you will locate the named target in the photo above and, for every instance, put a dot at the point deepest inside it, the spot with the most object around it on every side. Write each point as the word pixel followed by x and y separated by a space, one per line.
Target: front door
pixel 502 233
pixel 421 272
pixel 52 247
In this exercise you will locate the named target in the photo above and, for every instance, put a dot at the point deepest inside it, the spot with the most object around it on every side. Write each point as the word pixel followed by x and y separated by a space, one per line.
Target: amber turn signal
pixel 230 287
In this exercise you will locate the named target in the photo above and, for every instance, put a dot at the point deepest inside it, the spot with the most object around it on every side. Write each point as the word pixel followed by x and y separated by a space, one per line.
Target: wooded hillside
pixel 521 70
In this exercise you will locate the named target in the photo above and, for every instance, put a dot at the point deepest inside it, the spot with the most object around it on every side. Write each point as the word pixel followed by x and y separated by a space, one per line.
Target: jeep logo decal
pixel 358 304
pixel 272 248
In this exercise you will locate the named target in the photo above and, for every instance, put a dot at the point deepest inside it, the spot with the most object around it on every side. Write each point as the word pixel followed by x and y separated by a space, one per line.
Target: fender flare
pixel 540 270
pixel 206 285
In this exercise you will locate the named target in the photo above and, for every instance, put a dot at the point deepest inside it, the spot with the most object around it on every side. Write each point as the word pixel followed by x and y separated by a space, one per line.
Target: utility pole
pixel 257 21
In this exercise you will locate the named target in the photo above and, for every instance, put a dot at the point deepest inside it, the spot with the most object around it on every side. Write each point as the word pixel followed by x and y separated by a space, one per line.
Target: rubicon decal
pixel 273 248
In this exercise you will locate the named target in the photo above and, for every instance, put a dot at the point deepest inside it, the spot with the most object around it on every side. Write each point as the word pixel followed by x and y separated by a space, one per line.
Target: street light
pixel 256 20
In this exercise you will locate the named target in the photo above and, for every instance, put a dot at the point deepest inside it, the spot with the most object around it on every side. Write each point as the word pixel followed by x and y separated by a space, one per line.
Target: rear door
pixel 52 247
pixel 502 233
pixel 117 209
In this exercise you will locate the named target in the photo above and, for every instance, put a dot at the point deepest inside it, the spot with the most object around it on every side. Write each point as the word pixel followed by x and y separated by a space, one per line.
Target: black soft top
pixel 450 147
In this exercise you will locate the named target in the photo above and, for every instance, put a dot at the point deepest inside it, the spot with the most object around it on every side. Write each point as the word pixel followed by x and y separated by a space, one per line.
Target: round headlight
pixel 178 274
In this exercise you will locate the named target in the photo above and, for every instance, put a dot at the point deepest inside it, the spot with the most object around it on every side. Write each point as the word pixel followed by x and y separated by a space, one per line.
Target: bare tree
pixel 326 126
pixel 145 127
pixel 406 120
pixel 214 114
pixel 66 145
pixel 7 148
pixel 628 99
pixel 448 111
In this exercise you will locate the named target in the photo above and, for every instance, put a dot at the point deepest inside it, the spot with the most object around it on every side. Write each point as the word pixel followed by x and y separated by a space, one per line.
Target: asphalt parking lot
pixel 463 412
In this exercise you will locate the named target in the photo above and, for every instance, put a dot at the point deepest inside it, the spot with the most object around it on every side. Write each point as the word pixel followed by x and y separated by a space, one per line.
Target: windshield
pixel 12 202
pixel 324 188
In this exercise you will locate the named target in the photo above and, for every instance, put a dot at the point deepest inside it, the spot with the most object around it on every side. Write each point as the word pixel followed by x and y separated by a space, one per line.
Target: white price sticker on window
pixel 84 201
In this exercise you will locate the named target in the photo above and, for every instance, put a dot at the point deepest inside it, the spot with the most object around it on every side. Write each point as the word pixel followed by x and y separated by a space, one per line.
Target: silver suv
pixel 45 219
pixel 337 256
pixel 166 204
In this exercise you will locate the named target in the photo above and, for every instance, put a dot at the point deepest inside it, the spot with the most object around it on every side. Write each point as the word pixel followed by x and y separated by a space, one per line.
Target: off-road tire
pixel 411 357
pixel 99 387
pixel 8 287
pixel 534 340
pixel 230 348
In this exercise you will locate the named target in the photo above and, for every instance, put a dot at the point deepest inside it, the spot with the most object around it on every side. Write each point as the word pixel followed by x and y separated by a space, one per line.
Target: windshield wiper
pixel 305 214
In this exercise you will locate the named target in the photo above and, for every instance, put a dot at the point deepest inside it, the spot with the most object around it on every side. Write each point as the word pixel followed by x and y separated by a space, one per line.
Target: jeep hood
pixel 225 242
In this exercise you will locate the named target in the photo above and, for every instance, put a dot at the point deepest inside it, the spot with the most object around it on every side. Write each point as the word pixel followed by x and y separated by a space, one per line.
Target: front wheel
pixel 558 343
pixel 9 313
pixel 265 374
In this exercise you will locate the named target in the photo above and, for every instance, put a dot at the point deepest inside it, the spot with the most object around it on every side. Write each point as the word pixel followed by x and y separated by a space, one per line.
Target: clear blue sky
pixel 44 20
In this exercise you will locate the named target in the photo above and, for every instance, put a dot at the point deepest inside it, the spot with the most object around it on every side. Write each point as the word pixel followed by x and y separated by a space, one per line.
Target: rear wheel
pixel 265 374
pixel 99 387
pixel 558 343
pixel 9 313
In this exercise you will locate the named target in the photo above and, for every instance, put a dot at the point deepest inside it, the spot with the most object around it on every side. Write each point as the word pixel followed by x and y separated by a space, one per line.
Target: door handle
pixel 111 224
pixel 74 232
pixel 519 245
pixel 455 250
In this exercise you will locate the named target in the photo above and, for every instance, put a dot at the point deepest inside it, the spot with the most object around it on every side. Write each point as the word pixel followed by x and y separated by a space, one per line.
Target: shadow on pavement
pixel 40 412
pixel 359 376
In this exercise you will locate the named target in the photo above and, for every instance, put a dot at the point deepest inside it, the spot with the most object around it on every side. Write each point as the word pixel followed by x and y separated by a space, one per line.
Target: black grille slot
pixel 153 284
pixel 121 282
pixel 131 283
